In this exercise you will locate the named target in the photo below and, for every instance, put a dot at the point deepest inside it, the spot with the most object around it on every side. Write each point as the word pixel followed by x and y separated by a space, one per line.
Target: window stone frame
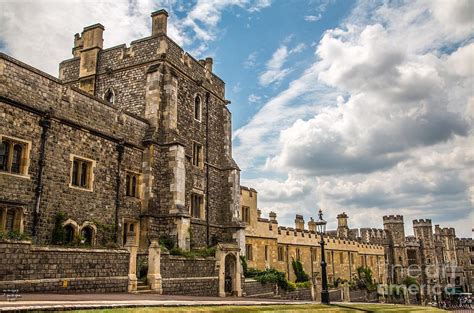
pixel 91 176
pixel 25 157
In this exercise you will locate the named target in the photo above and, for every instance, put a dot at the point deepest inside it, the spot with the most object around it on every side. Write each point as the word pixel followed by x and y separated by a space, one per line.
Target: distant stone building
pixel 436 258
pixel 270 245
pixel 128 140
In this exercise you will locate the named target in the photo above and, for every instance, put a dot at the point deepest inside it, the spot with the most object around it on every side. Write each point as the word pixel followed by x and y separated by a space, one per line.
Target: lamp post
pixel 321 228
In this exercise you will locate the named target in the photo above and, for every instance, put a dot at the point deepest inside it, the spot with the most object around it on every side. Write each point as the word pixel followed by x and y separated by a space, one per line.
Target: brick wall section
pixel 32 268
pixel 192 277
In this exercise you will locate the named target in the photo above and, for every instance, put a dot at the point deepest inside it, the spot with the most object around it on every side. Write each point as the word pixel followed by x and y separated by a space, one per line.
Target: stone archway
pixel 227 261
pixel 230 274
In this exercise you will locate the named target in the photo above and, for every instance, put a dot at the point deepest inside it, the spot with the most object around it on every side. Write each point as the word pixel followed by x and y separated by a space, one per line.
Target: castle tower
pixel 424 232
pixel 342 228
pixel 395 228
pixel 190 182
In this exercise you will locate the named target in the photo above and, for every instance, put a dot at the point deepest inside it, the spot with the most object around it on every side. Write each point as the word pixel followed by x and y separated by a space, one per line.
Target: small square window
pixel 81 173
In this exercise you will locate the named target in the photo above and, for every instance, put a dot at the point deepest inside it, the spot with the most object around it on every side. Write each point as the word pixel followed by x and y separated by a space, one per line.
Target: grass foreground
pixel 375 308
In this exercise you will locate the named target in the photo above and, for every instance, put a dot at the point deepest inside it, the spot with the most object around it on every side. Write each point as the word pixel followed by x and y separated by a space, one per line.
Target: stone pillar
pixel 346 297
pixel 183 224
pixel 132 248
pixel 176 163
pixel 154 271
pixel 317 291
pixel 170 112
pixel 153 94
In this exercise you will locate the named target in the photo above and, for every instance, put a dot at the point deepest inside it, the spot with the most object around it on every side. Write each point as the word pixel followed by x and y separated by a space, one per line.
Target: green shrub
pixel 106 232
pixel 301 276
pixel 409 280
pixel 59 233
pixel 365 280
pixel 305 284
pixel 167 241
pixel 271 275
pixel 291 286
pixel 243 261
pixel 14 235
pixel 197 253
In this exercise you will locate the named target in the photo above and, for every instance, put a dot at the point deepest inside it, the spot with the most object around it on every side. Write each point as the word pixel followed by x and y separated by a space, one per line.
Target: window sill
pixel 15 175
pixel 80 188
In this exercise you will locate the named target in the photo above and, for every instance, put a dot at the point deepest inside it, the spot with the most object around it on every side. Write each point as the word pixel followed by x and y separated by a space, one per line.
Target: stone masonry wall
pixel 192 277
pixel 81 126
pixel 30 268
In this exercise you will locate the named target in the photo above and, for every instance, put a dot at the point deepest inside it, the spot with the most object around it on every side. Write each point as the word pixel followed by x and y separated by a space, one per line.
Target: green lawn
pixel 277 308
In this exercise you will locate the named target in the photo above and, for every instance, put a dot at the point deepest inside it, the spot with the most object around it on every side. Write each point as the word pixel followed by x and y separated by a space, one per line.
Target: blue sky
pixel 358 106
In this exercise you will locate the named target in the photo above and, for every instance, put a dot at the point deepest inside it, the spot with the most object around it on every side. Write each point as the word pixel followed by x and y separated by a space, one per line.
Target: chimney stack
pixel 208 64
pixel 159 22
pixel 273 217
pixel 299 222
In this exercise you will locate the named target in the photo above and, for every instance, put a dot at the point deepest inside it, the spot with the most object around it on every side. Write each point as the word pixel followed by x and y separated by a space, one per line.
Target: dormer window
pixel 109 96
pixel 197 108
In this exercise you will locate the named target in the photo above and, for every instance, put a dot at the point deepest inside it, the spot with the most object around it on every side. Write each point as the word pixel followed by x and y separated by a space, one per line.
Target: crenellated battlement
pixel 392 219
pixel 422 223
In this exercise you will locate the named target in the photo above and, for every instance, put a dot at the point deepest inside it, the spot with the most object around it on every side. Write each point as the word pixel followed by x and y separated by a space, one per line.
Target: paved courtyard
pixel 148 302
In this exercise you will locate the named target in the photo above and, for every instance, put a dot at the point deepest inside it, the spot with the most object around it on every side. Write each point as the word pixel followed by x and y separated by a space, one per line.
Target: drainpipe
pixel 120 150
pixel 208 239
pixel 45 124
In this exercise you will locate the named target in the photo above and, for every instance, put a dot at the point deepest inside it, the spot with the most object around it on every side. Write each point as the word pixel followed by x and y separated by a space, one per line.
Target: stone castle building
pixel 270 245
pixel 442 257
pixel 434 258
pixel 130 139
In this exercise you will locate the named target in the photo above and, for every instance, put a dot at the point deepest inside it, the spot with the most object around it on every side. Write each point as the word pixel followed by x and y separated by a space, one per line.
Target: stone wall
pixel 253 288
pixel 31 268
pixel 192 277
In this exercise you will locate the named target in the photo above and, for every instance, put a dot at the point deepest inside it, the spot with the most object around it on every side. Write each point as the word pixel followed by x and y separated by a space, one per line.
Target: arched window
pixel 127 185
pixel 109 96
pixel 69 233
pixel 16 160
pixel 87 233
pixel 4 152
pixel 197 108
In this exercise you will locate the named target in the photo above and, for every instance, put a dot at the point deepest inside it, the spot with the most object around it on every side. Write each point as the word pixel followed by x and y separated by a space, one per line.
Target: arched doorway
pixel 87 234
pixel 69 229
pixel 230 274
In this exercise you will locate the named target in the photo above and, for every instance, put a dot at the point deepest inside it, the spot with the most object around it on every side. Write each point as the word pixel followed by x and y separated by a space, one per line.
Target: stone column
pixel 346 297
pixel 132 247
pixel 154 272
